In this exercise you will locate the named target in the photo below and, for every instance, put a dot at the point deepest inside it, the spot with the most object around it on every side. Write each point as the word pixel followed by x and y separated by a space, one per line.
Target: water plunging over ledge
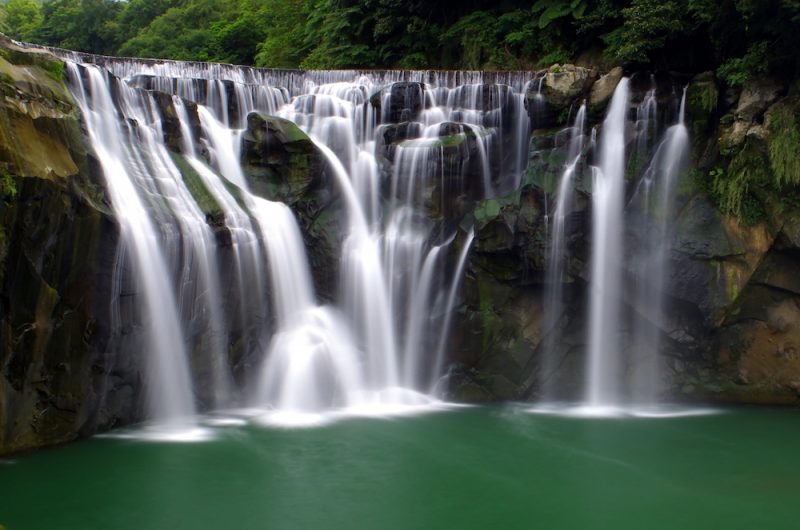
pixel 242 317
pixel 380 345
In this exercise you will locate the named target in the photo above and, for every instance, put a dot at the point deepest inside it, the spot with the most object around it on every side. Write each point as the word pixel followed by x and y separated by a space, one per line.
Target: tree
pixel 22 19
pixel 83 25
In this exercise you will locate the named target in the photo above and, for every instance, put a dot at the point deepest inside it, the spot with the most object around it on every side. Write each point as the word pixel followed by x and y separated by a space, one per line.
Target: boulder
pixel 281 163
pixel 279 160
pixel 402 101
pixel 542 114
pixel 603 88
pixel 757 95
pixel 171 125
pixel 564 84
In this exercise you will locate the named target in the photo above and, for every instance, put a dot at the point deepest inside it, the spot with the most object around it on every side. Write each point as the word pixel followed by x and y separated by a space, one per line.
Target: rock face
pixel 281 163
pixel 730 329
pixel 400 102
pixel 58 245
pixel 279 160
pixel 603 88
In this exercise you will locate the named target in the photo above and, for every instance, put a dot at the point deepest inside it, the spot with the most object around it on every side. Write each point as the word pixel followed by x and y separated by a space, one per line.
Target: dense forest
pixel 737 38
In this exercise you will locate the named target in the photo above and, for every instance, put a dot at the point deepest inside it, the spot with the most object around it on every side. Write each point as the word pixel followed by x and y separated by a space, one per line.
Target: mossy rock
pixel 279 160
pixel 201 194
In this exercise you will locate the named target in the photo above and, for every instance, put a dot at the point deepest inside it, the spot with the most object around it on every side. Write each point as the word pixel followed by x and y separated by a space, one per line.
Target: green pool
pixel 466 468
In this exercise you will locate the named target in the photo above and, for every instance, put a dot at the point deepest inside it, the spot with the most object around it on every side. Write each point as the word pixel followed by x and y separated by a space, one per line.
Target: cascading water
pixel 557 257
pixel 383 343
pixel 128 157
pixel 405 151
pixel 608 190
pixel 657 198
pixel 616 378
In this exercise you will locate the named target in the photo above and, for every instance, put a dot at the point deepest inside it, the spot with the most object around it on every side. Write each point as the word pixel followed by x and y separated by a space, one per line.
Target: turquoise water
pixel 470 468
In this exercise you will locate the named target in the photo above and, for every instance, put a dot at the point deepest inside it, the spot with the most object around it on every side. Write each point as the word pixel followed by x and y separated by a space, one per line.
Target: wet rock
pixel 700 232
pixel 279 160
pixel 171 124
pixel 603 88
pixel 390 135
pixel 281 163
pixel 405 102
pixel 542 114
pixel 702 101
pixel 58 250
pixel 564 84
pixel 733 135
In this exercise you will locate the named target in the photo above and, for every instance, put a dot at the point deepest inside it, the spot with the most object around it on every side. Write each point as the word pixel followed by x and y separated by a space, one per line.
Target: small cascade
pixel 557 258
pixel 169 381
pixel 605 305
pixel 646 124
pixel 656 205
pixel 538 102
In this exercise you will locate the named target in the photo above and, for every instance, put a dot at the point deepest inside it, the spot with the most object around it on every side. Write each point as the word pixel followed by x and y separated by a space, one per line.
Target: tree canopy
pixel 737 38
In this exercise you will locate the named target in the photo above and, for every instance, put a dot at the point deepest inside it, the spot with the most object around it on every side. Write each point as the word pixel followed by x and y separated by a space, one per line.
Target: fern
pixel 552 10
pixel 783 144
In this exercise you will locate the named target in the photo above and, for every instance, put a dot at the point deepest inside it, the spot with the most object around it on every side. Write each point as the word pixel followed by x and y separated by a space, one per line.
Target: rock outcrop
pixel 58 246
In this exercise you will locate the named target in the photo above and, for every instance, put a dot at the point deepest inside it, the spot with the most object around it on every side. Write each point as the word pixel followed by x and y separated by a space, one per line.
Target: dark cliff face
pixel 731 326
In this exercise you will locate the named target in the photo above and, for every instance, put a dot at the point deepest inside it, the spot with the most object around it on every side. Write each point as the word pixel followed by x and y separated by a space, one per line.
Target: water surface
pixel 468 468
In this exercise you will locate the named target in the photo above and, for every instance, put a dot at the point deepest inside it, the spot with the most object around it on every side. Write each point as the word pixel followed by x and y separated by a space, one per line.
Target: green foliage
pixel 551 10
pixel 207 30
pixel 558 56
pixel 648 26
pixel 83 25
pixel 138 14
pixel 702 98
pixel 737 70
pixel 21 18
pixel 736 38
pixel 751 211
pixel 8 187
pixel 736 190
pixel 477 36
pixel 284 45
pixel 783 143
pixel 56 70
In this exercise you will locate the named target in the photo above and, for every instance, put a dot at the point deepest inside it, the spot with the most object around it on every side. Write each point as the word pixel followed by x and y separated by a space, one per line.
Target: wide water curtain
pixel 222 178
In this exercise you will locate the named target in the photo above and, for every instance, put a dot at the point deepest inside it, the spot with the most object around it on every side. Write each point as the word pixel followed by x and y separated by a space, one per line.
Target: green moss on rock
pixel 194 183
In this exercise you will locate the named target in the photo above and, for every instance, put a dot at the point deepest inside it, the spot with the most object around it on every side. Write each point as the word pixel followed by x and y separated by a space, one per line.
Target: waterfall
pixel 557 258
pixel 126 164
pixel 226 309
pixel 618 375
pixel 608 188
pixel 650 260
pixel 220 276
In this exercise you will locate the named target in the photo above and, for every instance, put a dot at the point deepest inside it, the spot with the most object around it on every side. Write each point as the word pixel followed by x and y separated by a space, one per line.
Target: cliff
pixel 58 242
pixel 732 323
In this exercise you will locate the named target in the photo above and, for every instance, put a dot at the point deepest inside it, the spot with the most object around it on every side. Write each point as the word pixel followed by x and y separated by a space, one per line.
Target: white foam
pixel 578 410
